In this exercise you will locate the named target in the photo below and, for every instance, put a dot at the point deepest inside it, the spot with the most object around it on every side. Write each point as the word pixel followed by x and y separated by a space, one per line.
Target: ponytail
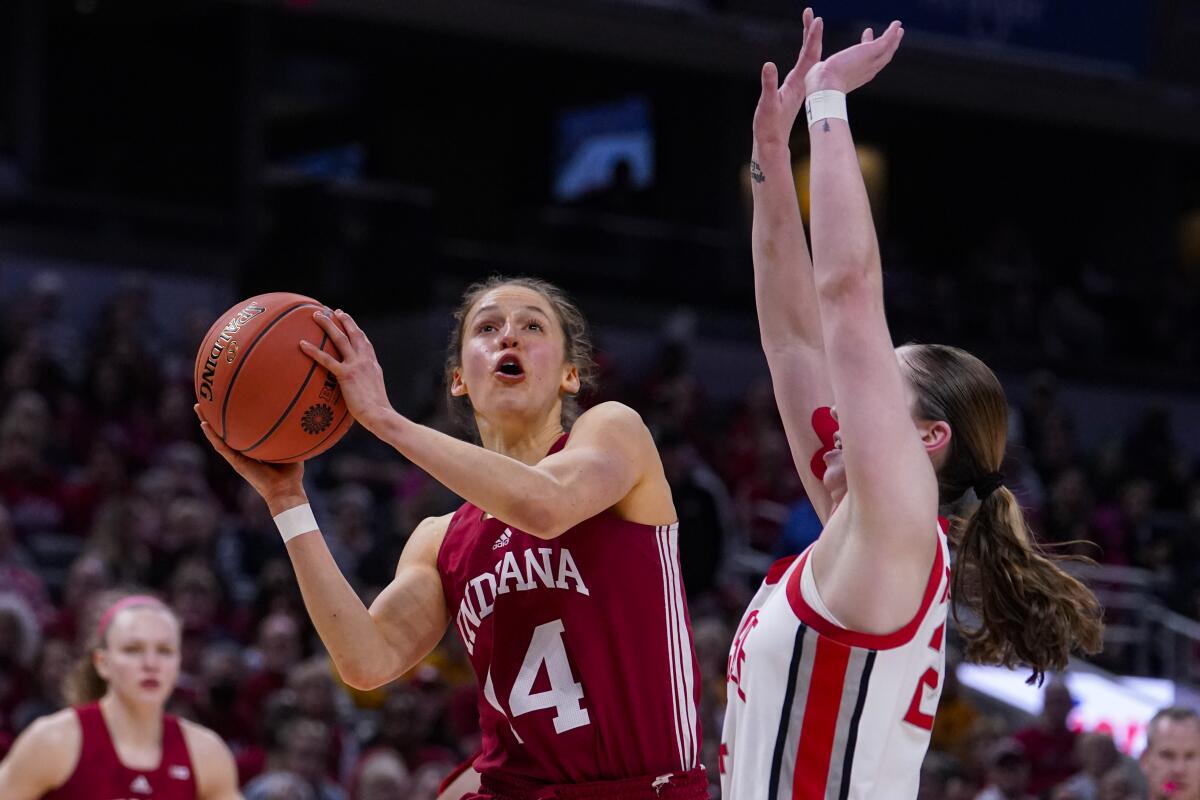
pixel 83 683
pixel 1030 611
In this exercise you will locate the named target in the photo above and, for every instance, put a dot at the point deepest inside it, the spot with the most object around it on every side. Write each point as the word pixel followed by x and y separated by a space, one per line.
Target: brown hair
pixel 1030 611
pixel 577 342
pixel 83 683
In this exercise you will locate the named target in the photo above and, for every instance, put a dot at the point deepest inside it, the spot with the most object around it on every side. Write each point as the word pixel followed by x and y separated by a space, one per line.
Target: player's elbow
pixel 854 284
pixel 366 681
pixel 366 674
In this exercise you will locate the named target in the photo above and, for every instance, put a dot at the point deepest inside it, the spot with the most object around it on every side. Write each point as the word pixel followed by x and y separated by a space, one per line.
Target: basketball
pixel 260 393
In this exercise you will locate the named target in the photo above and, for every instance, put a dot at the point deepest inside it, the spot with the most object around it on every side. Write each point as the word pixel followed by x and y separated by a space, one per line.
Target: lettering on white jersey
pixel 516 571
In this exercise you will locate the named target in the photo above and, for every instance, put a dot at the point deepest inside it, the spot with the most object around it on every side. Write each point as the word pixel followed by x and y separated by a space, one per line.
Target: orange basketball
pixel 258 390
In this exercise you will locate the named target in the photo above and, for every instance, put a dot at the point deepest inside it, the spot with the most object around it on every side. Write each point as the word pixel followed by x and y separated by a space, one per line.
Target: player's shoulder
pixel 610 411
pixel 433 528
pixel 212 760
pixel 60 730
pixel 609 420
pixel 202 741
pixel 48 750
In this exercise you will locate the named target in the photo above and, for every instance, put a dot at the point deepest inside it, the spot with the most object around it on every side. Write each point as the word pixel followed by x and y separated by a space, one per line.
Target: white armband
pixel 295 521
pixel 825 104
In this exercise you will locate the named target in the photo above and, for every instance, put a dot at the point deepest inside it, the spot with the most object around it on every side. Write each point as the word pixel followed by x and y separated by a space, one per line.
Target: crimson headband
pixel 125 602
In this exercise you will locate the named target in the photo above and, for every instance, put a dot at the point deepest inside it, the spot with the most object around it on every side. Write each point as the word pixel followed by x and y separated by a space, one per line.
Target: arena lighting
pixel 1114 704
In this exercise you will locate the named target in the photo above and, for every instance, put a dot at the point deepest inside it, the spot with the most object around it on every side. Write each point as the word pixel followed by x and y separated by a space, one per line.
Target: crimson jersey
pixel 581 644
pixel 100 775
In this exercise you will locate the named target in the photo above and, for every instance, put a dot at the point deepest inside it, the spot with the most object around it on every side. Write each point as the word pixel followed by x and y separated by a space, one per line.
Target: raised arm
pixel 368 647
pixel 788 316
pixel 893 489
pixel 610 451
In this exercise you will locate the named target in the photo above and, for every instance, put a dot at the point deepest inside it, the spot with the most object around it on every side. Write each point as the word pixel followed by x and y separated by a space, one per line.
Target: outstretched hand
pixel 275 483
pixel 358 372
pixel 778 105
pixel 855 66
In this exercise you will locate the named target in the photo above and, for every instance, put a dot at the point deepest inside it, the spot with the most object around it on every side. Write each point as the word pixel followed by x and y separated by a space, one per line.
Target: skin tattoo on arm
pixel 756 172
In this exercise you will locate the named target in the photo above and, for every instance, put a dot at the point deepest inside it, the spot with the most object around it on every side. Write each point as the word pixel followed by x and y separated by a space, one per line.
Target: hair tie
pixel 988 484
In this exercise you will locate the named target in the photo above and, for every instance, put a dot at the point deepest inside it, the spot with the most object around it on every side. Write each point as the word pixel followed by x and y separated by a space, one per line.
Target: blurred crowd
pixel 106 482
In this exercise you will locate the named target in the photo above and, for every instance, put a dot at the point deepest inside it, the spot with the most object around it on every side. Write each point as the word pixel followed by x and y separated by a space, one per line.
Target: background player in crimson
pixel 560 572
pixel 919 429
pixel 115 742
pixel 1050 745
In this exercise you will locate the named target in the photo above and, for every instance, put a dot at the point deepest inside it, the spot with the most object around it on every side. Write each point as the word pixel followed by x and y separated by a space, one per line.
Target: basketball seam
pixel 246 356
pixel 295 399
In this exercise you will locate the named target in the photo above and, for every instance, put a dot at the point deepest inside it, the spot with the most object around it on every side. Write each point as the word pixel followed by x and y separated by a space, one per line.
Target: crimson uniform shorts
pixel 691 785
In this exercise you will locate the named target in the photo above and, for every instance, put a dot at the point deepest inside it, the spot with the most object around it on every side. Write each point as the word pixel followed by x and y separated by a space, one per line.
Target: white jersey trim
pixel 679 651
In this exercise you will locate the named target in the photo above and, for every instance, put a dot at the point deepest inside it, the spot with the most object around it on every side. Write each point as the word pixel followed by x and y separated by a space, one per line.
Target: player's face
pixel 1171 760
pixel 513 363
pixel 835 468
pixel 140 660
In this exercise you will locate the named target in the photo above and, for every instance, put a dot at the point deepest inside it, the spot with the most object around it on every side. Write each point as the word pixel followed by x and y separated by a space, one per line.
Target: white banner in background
pixel 1112 704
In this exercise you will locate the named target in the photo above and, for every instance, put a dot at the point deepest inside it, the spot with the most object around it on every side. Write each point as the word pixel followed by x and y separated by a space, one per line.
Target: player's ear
pixel 570 381
pixel 100 662
pixel 457 387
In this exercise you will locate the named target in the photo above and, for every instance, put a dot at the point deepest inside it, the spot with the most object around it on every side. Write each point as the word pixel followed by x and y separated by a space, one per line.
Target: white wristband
pixel 825 104
pixel 295 521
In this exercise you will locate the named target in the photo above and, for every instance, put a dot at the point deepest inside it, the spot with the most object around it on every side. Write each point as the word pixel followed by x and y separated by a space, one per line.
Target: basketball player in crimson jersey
pixel 836 669
pixel 560 572
pixel 116 743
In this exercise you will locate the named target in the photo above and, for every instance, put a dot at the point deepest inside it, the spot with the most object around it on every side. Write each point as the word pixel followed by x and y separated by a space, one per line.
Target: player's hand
pixel 358 372
pixel 855 66
pixel 778 105
pixel 281 485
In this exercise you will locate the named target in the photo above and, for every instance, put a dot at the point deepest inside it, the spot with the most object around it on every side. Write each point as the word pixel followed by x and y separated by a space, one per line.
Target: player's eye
pixel 536 326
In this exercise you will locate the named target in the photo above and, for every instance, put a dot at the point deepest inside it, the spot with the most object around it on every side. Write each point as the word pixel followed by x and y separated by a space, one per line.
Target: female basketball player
pixel 836 668
pixel 560 572
pixel 116 742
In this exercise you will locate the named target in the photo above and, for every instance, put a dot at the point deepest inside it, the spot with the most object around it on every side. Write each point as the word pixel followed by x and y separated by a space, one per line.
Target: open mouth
pixel 150 683
pixel 509 369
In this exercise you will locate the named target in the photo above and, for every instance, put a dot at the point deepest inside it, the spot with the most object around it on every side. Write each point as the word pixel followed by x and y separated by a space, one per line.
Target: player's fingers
pixel 340 340
pixel 770 79
pixel 321 357
pixel 227 452
pixel 893 37
pixel 817 41
pixel 352 330
pixel 868 36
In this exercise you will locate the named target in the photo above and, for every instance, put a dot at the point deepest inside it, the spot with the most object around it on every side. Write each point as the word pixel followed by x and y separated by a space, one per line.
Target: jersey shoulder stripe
pixel 809 616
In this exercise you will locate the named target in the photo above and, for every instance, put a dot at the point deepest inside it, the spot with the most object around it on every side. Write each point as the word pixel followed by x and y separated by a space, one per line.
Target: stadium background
pixel 1035 169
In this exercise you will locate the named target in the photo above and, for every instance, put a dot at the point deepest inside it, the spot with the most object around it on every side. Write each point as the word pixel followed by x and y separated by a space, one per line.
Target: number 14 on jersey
pixel 565 693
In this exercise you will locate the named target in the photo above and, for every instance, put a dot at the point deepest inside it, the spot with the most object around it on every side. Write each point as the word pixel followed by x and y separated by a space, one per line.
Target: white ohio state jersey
pixel 819 712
